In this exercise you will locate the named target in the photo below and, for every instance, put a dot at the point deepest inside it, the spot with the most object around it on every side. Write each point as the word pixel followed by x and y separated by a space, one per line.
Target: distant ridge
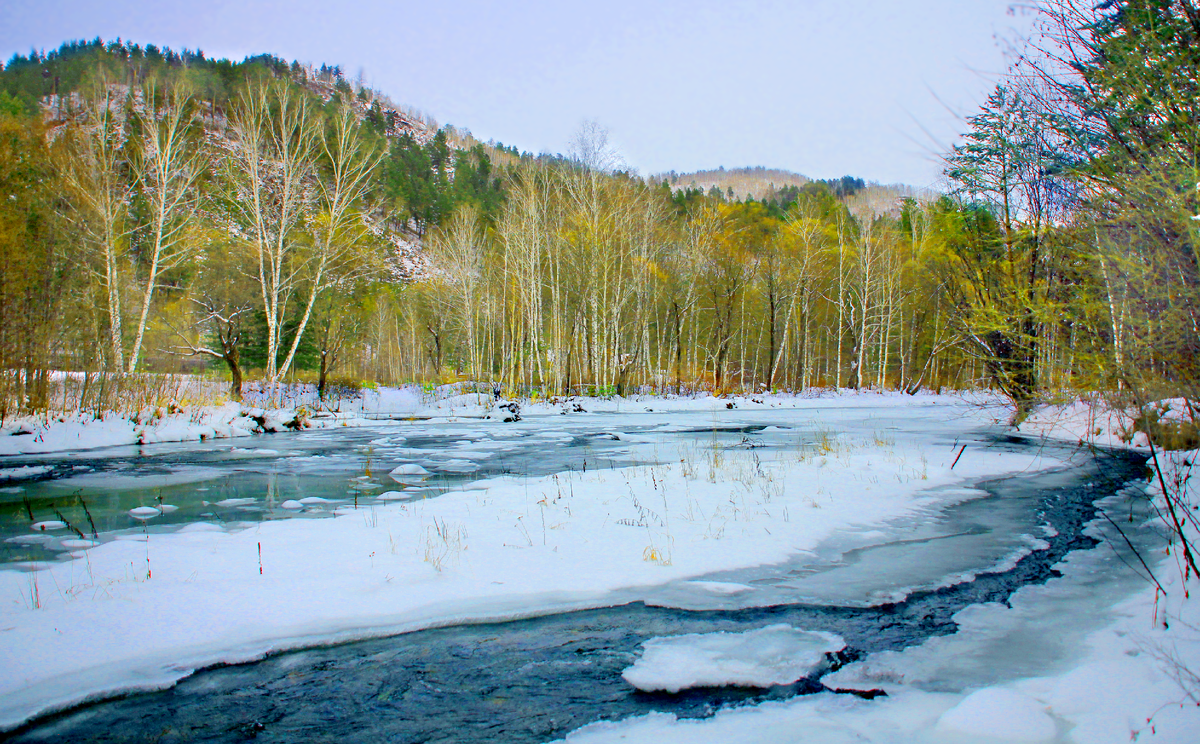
pixel 759 182
pixel 755 181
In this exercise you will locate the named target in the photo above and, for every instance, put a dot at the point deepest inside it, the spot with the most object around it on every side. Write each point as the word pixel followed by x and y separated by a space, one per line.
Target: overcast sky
pixel 870 88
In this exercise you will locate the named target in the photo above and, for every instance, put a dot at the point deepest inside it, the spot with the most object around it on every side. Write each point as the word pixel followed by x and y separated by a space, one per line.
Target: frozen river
pixel 880 584
pixel 248 480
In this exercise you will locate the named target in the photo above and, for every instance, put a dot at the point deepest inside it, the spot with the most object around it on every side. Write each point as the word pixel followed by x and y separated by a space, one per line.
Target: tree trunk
pixel 235 371
pixel 323 374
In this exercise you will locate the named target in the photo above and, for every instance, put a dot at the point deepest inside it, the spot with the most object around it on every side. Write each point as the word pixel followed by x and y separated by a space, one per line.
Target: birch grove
pixel 291 226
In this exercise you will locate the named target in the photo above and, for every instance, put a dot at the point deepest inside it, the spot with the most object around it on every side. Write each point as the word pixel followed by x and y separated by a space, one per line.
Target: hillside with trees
pixel 268 220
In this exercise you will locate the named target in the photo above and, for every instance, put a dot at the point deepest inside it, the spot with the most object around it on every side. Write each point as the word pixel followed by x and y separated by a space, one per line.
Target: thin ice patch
pixel 24 473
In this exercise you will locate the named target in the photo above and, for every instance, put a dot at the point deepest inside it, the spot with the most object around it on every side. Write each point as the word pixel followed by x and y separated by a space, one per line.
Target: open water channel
pixel 531 680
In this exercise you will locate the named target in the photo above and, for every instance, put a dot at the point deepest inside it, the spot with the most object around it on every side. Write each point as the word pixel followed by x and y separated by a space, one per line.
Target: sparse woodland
pixel 263 220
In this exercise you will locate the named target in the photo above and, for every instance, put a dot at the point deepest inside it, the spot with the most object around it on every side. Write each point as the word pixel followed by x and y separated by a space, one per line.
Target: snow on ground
pixel 1098 422
pixel 774 655
pixel 1086 422
pixel 82 432
pixel 1058 665
pixel 144 611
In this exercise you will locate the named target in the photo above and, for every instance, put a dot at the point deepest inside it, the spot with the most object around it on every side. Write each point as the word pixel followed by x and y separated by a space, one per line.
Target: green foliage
pixel 843 187
pixel 417 180
pixel 476 183
pixel 685 201
pixel 1123 116
pixel 36 276
pixel 254 343
pixel 11 106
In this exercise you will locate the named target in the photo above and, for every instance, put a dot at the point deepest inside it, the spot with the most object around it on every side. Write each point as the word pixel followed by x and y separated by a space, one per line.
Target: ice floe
pixel 774 655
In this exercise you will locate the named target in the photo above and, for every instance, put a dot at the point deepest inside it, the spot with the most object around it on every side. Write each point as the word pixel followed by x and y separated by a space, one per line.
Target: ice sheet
pixel 774 655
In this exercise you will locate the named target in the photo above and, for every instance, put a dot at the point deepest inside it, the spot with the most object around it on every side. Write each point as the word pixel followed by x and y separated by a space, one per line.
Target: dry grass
pixel 98 394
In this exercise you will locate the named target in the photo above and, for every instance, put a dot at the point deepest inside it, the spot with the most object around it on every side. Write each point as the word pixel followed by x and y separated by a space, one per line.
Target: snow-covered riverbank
pixel 1080 659
pixel 145 610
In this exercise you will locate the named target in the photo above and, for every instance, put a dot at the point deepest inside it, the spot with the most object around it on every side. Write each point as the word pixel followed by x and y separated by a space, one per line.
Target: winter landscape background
pixel 319 418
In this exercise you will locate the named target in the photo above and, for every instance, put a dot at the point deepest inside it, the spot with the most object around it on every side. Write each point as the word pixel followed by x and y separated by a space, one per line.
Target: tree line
pixel 282 224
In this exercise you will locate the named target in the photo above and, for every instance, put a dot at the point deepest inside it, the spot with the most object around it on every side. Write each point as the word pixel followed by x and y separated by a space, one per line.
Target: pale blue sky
pixel 819 87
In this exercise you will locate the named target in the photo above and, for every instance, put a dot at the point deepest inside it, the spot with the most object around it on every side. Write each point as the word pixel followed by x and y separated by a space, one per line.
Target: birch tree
pixel 167 164
pixel 94 171
pixel 458 254
pixel 338 227
pixel 271 163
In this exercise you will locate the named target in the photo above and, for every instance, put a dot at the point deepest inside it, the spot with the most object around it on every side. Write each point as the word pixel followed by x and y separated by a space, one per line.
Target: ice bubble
pixel 201 527
pixel 144 512
pixel 49 524
pixel 235 502
pixel 292 504
pixel 76 544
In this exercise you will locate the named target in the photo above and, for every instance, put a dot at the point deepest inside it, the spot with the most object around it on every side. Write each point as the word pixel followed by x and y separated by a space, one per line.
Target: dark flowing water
pixel 536 680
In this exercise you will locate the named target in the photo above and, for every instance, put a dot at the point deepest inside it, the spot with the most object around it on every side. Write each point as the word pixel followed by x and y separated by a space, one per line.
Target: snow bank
pixel 1097 422
pixel 774 655
pixel 1097 656
pixel 1084 422
pixel 999 714
pixel 80 432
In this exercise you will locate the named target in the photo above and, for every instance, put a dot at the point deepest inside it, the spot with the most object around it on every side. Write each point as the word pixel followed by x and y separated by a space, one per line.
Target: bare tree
pixel 269 171
pixel 458 255
pixel 225 326
pixel 95 158
pixel 337 226
pixel 167 163
pixel 591 149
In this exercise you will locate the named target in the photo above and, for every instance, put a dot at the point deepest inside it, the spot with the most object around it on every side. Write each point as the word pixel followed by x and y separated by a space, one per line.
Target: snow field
pixel 147 610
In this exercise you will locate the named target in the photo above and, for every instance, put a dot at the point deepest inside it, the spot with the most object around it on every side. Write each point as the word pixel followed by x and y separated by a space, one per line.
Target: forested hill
pixel 756 182
pixel 417 178
pixel 53 81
